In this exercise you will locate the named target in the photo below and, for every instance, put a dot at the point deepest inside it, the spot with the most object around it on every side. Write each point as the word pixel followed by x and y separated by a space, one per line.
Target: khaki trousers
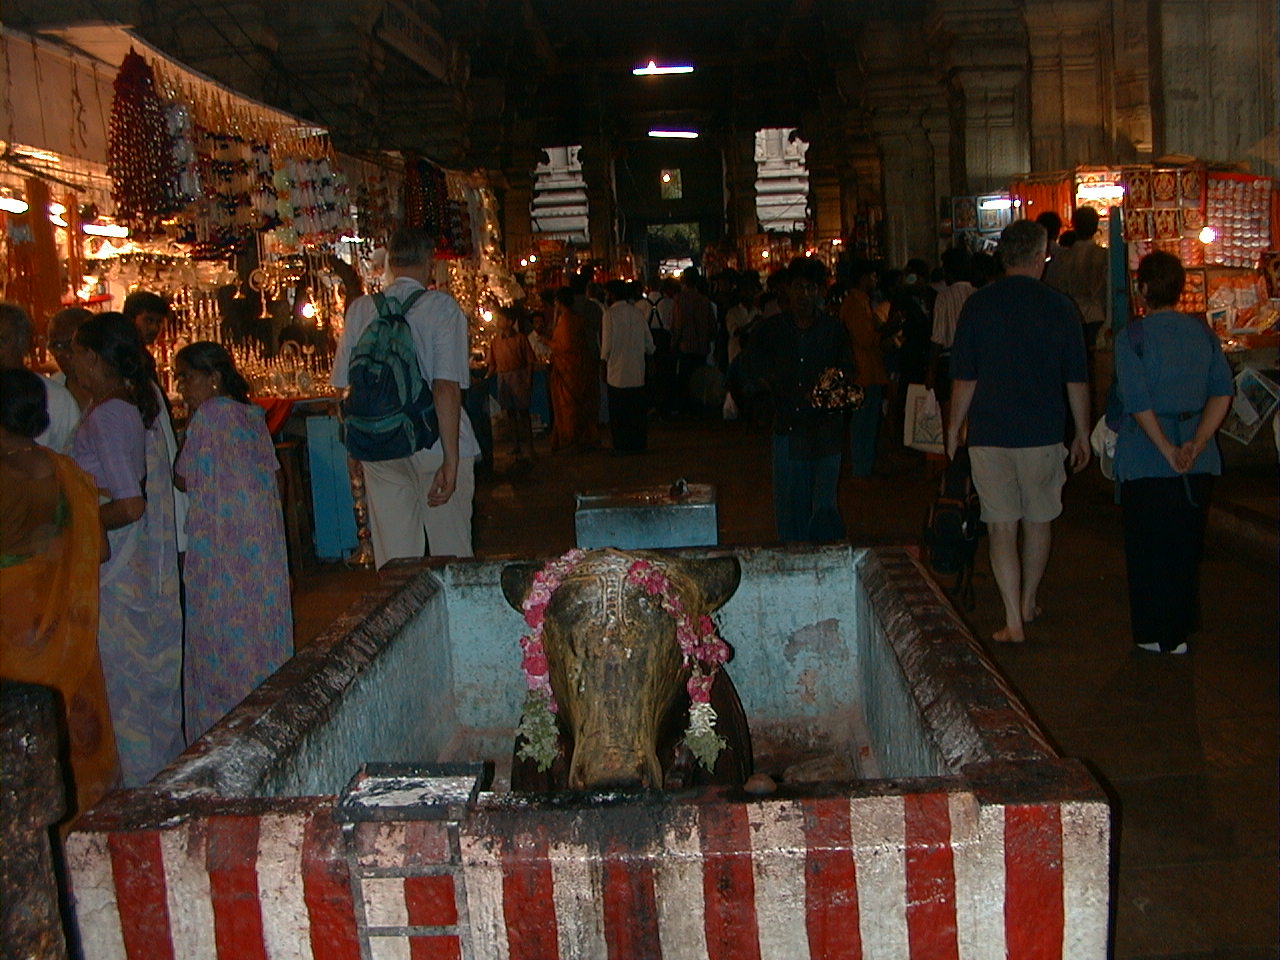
pixel 401 523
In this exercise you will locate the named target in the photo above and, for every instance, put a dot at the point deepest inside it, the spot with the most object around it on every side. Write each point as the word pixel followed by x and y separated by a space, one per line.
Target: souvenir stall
pixel 1223 224
pixel 124 170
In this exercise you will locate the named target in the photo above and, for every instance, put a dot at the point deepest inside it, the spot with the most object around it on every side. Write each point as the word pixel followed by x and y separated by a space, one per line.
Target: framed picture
pixel 1252 406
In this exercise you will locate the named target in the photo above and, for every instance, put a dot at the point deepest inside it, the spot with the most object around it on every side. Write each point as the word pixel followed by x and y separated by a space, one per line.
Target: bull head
pixel 615 665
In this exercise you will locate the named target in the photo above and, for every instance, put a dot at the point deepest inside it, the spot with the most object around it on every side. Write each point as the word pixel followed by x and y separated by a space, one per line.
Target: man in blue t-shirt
pixel 1017 363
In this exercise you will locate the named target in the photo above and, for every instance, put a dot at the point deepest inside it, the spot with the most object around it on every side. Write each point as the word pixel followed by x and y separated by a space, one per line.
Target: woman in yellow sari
pixel 51 544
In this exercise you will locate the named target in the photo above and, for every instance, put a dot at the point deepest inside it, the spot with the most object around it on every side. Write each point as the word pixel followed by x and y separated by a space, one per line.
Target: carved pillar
pixel 911 125
pixel 982 45
pixel 1071 83
pixel 740 173
pixel 597 170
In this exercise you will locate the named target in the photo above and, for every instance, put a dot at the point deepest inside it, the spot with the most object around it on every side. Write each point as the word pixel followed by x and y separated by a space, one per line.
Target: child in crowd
pixel 512 358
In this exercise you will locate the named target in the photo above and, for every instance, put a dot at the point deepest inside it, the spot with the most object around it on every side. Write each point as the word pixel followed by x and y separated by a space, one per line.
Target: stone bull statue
pixel 629 647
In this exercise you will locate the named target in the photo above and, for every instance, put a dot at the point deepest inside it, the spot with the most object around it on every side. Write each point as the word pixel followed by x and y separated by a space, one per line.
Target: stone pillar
pixel 32 800
pixel 597 170
pixel 517 194
pixel 1071 83
pixel 741 220
pixel 1132 53
pixel 982 45
pixel 911 127
pixel 824 186
pixel 1215 87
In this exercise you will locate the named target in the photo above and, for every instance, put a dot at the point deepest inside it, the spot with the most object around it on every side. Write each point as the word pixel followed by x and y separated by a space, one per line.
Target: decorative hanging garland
pixel 140 158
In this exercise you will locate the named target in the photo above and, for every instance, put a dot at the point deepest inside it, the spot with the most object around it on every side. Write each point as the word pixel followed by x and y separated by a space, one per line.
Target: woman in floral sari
pixel 120 444
pixel 574 396
pixel 239 621
pixel 50 547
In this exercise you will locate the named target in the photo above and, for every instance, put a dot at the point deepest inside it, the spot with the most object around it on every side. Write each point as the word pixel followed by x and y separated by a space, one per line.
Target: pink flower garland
pixel 701 646
pixel 537 671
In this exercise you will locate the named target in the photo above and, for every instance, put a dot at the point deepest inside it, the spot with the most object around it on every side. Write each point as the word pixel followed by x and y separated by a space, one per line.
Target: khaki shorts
pixel 1019 483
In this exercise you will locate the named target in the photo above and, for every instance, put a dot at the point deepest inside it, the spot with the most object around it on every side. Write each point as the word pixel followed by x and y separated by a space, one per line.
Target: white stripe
pixel 977 850
pixel 186 888
pixel 94 891
pixel 389 948
pixel 677 881
pixel 879 851
pixel 482 873
pixel 384 904
pixel 286 924
pixel 777 865
pixel 577 888
pixel 1086 845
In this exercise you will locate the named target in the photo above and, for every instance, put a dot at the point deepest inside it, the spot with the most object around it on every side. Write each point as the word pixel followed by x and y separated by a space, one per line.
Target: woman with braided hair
pixel 239 621
pixel 120 445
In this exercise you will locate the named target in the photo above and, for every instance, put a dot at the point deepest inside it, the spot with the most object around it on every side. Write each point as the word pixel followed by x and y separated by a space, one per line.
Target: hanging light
pixel 651 69
pixel 13 205
pixel 308 310
pixel 1208 234
pixel 105 230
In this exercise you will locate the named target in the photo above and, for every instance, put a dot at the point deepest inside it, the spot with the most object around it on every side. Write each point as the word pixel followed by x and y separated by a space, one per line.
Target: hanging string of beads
pixel 139 152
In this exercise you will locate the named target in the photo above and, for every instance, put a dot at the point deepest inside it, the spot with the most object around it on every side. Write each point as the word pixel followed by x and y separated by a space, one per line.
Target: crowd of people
pixel 1004 341
pixel 147 579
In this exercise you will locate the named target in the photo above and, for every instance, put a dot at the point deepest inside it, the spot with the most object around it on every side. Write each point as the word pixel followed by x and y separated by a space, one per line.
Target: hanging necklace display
pixel 139 158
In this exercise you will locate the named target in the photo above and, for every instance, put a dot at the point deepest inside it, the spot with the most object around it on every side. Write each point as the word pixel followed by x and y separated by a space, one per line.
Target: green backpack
pixel 389 412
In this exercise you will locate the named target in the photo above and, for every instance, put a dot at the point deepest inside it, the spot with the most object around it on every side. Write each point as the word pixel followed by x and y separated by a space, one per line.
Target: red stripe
pixel 233 886
pixel 435 948
pixel 528 905
pixel 630 906
pixel 430 901
pixel 137 866
pixel 326 888
pixel 931 877
pixel 831 882
pixel 728 886
pixel 1033 911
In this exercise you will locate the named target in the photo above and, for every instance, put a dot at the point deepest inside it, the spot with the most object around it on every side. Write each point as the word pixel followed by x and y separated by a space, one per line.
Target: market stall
pixel 125 171
pixel 1223 223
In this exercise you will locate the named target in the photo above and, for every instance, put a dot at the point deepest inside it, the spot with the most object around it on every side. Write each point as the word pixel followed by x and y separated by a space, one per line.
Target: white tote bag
pixel 922 427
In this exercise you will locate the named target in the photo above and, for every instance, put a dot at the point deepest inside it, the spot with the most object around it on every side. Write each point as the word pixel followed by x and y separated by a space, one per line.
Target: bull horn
pixel 517 579
pixel 717 576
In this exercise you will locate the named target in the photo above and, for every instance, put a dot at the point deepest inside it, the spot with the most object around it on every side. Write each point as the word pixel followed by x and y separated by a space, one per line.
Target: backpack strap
pixel 381 301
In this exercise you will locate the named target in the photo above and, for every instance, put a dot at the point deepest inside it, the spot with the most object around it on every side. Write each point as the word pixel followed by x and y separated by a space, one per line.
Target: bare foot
pixel 1033 616
pixel 1005 635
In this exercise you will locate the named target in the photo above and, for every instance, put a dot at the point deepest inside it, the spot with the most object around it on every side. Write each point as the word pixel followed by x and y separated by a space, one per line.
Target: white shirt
pixel 666 308
pixel 737 317
pixel 439 329
pixel 946 311
pixel 624 342
pixel 64 417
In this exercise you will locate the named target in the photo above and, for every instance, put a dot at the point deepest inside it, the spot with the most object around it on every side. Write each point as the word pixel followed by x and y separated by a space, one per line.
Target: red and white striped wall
pixel 922 875
pixel 918 876
pixel 265 887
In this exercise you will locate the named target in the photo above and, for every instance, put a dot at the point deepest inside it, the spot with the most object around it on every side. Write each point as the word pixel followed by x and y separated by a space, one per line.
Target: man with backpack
pixel 403 359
